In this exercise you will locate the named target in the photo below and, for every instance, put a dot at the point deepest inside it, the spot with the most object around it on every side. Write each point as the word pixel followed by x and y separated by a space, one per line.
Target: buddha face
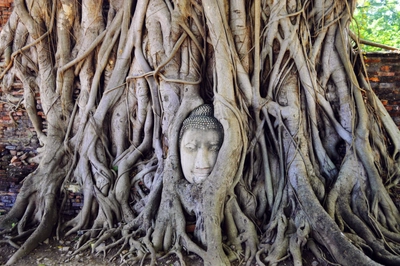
pixel 199 152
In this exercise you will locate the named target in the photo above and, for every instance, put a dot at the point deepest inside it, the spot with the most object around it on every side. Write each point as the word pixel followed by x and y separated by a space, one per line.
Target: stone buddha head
pixel 200 139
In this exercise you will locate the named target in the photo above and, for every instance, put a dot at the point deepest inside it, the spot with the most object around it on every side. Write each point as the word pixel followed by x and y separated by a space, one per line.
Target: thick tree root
pixel 308 150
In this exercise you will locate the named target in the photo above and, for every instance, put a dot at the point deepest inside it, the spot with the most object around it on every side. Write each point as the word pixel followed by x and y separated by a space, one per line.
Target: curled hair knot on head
pixel 202 118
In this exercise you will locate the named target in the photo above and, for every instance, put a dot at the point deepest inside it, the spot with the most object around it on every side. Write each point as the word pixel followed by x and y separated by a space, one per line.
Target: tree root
pixel 138 78
pixel 275 243
pixel 40 234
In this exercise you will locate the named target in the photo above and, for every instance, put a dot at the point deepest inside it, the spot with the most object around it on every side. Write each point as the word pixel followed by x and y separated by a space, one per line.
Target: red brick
pixel 385 68
pixel 386 74
pixel 372 60
pixel 374 79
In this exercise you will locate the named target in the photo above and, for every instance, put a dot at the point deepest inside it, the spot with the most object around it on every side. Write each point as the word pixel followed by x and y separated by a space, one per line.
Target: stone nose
pixel 202 161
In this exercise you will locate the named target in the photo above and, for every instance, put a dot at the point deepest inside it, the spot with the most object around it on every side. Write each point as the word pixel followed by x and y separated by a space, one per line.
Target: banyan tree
pixel 271 96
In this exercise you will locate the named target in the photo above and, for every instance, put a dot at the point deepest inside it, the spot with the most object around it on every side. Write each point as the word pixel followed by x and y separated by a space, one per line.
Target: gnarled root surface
pixel 309 151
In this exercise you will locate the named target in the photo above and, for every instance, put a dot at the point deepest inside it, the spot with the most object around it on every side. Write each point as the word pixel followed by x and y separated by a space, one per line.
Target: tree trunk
pixel 304 160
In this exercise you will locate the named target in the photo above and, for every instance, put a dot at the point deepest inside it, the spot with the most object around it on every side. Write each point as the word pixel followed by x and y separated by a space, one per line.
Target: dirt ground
pixel 54 252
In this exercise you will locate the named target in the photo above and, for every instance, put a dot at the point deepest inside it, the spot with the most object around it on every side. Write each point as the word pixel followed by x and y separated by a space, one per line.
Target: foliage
pixel 378 21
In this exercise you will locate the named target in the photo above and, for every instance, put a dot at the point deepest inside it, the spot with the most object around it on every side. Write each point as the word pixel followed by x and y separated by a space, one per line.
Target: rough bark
pixel 308 153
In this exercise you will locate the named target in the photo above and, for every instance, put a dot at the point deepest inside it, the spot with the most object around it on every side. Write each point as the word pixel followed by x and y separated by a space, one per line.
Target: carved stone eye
pixel 190 147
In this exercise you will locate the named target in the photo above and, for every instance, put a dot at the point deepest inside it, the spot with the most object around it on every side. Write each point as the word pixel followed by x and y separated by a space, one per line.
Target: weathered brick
pixel 385 68
pixel 370 60
pixel 386 74
pixel 373 79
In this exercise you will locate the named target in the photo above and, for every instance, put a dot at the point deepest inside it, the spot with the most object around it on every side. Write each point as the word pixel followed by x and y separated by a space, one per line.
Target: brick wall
pixel 18 142
pixel 5 11
pixel 16 130
pixel 384 76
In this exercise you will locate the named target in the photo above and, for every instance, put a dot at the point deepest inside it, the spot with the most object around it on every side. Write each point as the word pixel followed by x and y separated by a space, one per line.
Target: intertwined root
pixel 306 140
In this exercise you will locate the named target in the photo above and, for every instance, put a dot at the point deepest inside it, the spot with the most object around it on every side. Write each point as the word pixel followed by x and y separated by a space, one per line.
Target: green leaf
pixel 378 21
